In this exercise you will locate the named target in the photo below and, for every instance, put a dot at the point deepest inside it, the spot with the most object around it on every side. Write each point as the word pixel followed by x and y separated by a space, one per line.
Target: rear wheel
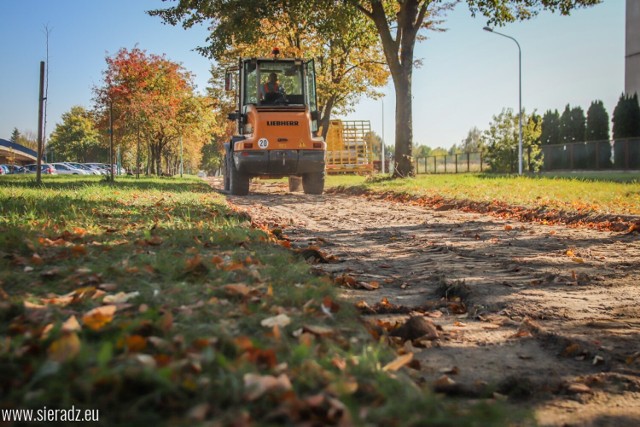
pixel 238 182
pixel 295 183
pixel 225 176
pixel 313 183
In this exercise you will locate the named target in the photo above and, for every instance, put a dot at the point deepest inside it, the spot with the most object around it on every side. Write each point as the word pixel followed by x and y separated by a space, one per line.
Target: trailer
pixel 348 148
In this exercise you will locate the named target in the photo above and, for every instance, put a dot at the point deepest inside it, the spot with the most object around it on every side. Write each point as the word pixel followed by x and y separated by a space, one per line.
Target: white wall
pixel 632 48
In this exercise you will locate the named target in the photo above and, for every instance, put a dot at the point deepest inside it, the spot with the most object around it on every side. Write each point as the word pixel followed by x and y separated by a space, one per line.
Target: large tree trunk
pixel 404 125
pixel 399 54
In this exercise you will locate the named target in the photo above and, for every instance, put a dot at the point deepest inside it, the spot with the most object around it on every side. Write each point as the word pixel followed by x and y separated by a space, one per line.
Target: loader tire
pixel 313 183
pixel 238 182
pixel 226 176
pixel 295 183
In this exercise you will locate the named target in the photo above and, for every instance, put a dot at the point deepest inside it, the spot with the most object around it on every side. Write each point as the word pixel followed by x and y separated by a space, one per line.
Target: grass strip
pixel 547 199
pixel 153 302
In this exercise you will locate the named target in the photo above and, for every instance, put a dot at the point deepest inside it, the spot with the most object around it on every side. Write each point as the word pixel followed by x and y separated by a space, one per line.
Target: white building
pixel 632 48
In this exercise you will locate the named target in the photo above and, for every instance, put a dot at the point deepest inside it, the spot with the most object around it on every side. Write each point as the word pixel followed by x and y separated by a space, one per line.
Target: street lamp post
pixel 489 29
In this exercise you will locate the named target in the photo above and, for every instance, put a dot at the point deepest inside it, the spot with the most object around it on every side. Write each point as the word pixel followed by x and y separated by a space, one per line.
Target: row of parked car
pixel 60 168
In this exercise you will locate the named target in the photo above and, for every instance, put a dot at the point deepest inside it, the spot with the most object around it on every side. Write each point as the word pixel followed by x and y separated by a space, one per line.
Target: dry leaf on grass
pixel 398 362
pixel 99 317
pixel 257 385
pixel 120 297
pixel 64 348
pixel 281 320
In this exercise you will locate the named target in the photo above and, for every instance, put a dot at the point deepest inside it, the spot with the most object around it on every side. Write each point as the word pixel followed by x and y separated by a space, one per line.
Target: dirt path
pixel 546 315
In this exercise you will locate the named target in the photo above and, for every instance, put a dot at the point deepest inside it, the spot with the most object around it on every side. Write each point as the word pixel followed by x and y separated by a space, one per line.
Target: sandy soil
pixel 546 317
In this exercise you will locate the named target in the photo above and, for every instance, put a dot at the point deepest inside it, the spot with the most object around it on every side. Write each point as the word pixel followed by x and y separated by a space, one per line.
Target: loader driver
pixel 271 90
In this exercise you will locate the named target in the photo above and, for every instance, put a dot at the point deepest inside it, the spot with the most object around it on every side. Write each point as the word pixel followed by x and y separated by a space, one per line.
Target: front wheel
pixel 313 183
pixel 238 182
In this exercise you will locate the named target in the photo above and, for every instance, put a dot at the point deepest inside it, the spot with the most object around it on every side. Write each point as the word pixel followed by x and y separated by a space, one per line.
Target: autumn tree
pixel 77 138
pixel 151 99
pixel 347 53
pixel 398 24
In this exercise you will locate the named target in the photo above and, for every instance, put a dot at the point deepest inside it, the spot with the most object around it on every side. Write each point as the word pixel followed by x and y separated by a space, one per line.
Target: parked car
pixel 15 169
pixel 100 167
pixel 66 169
pixel 45 168
pixel 4 170
pixel 82 166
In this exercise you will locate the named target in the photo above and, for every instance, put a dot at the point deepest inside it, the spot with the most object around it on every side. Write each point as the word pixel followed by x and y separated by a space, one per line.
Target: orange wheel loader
pixel 277 125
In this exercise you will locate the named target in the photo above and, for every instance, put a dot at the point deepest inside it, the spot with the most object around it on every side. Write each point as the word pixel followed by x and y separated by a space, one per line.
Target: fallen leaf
pixel 71 325
pixel 62 301
pixel 345 280
pixel 398 363
pixel 64 348
pixel 328 304
pixel 99 317
pixel 257 385
pixel 370 286
pixel 135 343
pixel 578 388
pixel 444 382
pixel 281 320
pixel 120 297
pixel 240 289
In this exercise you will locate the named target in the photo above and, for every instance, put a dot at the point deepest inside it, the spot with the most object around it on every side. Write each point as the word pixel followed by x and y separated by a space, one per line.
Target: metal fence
pixel 453 163
pixel 621 154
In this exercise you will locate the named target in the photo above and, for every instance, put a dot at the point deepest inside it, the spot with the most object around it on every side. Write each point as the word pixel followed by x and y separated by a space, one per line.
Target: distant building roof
pixel 6 146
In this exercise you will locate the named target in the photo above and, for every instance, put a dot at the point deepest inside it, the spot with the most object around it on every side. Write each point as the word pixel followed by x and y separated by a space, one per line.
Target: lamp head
pixel 488 29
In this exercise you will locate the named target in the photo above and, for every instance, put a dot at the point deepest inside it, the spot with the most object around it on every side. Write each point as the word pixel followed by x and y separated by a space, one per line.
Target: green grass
pixel 192 282
pixel 591 193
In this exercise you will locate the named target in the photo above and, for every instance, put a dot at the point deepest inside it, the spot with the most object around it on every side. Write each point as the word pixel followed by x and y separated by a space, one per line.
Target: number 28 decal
pixel 263 143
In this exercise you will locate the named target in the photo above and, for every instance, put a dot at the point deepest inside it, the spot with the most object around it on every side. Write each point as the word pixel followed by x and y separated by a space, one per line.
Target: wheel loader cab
pixel 277 128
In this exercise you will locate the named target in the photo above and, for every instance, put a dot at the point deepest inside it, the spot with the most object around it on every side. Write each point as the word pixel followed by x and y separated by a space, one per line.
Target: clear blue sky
pixel 468 75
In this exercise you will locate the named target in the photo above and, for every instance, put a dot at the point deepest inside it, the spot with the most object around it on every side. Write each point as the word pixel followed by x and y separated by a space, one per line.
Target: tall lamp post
pixel 489 29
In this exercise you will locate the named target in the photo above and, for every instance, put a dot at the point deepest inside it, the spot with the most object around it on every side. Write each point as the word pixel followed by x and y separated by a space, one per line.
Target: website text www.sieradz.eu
pixel 48 415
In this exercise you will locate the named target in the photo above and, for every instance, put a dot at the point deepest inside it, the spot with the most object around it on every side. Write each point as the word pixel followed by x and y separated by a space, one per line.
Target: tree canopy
pixel 349 62
pixel 597 122
pixel 152 99
pixel 626 117
pixel 572 125
pixel 502 138
pixel 398 24
pixel 76 138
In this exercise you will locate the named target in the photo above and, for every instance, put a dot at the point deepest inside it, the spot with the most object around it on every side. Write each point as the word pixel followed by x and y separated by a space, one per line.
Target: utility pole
pixel 383 153
pixel 181 164
pixel 40 124
pixel 111 140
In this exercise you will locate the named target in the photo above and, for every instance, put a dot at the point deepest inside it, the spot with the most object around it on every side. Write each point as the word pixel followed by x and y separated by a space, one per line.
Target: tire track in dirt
pixel 552 315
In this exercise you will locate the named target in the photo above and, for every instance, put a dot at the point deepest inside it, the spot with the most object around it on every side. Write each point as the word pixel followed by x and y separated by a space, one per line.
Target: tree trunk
pixel 404 125
pixel 399 54
pixel 325 120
